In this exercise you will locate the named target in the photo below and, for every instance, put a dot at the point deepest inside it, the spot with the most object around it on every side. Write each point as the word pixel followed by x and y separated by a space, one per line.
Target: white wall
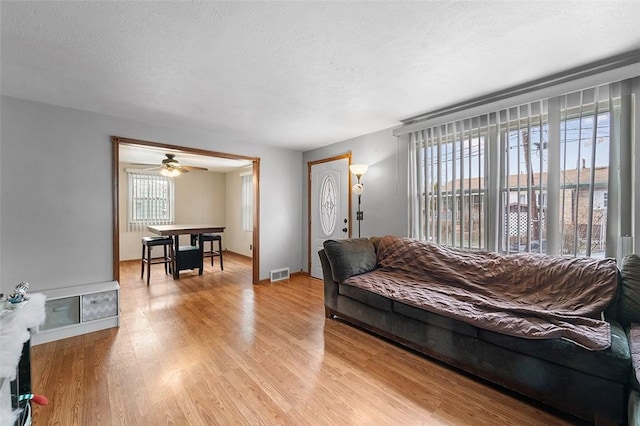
pixel 55 170
pixel 200 198
pixel 384 201
pixel 237 240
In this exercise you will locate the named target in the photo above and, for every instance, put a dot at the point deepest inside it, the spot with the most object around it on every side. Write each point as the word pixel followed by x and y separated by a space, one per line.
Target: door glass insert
pixel 328 205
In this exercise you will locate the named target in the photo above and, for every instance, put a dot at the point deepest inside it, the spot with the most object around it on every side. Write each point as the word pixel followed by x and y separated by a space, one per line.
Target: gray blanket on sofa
pixel 525 295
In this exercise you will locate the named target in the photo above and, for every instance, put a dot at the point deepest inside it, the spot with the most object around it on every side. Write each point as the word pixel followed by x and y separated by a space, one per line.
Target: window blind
pixel 150 200
pixel 448 161
pixel 523 178
pixel 247 201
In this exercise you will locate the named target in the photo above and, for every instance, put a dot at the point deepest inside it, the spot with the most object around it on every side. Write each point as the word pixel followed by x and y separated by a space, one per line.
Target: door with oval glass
pixel 329 209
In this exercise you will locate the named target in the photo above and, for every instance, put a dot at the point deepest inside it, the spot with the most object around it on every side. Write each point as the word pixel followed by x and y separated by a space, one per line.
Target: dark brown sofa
pixel 591 384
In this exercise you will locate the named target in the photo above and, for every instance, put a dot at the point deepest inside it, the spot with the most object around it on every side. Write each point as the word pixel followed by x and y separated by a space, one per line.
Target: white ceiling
pixel 295 74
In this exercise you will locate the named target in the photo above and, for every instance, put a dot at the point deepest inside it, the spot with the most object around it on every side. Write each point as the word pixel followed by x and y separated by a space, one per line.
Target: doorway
pixel 329 205
pixel 118 142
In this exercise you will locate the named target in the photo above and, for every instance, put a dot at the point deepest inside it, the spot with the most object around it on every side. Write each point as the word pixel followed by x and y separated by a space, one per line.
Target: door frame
pixel 117 141
pixel 313 163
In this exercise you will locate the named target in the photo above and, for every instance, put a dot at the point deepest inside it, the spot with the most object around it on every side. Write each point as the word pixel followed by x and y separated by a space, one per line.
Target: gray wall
pixel 384 200
pixel 55 209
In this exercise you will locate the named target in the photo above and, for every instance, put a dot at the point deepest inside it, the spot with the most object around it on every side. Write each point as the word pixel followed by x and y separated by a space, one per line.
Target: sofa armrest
pixel 330 286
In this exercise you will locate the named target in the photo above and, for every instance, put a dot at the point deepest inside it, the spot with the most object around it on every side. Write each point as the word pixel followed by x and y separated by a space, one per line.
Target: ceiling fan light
pixel 170 172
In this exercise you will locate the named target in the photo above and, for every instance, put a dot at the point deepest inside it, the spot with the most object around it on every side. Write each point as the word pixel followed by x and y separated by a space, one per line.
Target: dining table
pixel 188 256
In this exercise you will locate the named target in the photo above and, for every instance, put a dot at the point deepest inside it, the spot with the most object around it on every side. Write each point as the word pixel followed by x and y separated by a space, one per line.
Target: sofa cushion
pixel 435 319
pixel 350 257
pixel 365 296
pixel 633 334
pixel 629 304
pixel 612 363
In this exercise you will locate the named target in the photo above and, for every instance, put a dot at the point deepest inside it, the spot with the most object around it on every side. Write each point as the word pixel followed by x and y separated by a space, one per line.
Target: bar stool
pixel 167 259
pixel 211 238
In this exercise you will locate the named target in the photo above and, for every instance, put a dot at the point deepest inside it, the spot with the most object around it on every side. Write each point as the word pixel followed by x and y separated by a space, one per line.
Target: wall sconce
pixel 358 189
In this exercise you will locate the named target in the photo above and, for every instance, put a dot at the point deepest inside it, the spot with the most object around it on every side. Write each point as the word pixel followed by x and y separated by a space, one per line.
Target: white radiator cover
pixel 279 274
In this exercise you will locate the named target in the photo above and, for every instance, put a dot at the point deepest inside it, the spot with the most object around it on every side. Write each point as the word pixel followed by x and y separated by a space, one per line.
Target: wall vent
pixel 279 274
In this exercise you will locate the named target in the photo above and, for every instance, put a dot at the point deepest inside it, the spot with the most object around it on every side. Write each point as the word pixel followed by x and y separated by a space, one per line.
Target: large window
pixel 523 178
pixel 151 200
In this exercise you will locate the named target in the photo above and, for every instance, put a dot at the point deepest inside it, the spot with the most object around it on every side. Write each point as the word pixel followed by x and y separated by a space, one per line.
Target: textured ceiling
pixel 295 74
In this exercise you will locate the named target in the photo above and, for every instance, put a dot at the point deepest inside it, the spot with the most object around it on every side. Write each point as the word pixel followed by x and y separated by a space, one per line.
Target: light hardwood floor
pixel 214 349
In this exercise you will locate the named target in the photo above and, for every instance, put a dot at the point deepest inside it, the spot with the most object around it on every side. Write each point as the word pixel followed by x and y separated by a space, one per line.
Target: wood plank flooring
pixel 214 349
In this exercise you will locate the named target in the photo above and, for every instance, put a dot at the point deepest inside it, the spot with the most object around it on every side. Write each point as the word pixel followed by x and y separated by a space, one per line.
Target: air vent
pixel 279 274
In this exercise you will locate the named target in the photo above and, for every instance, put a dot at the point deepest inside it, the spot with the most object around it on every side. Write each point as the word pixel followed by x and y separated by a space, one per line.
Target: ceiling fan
pixel 172 167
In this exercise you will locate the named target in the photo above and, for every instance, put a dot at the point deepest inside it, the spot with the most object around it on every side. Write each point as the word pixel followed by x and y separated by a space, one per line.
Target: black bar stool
pixel 211 238
pixel 167 259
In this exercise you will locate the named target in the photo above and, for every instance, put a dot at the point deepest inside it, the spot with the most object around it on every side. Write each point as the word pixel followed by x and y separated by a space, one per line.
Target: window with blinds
pixel 151 200
pixel 523 143
pixel 247 201
pixel 449 168
pixel 582 176
pixel 585 135
pixel 498 180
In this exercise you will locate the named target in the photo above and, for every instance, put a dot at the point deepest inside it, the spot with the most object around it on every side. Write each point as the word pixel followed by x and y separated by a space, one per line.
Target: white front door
pixel 329 206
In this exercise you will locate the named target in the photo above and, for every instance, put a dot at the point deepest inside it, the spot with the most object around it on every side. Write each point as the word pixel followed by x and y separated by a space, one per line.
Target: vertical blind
pixel 495 181
pixel 448 177
pixel 151 200
pixel 586 121
pixel 247 201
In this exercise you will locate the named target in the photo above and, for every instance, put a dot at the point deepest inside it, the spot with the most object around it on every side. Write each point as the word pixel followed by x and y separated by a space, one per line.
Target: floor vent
pixel 280 274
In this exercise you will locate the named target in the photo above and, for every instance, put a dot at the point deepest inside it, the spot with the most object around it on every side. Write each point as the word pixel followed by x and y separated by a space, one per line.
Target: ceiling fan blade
pixel 192 168
pixel 144 164
pixel 170 162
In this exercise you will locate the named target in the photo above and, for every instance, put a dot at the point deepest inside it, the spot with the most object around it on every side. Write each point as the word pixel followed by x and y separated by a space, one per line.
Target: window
pixel 151 200
pixel 584 170
pixel 496 180
pixel 523 176
pixel 449 169
pixel 247 201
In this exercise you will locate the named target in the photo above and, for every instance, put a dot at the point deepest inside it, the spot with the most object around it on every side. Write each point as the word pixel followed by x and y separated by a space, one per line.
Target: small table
pixel 191 257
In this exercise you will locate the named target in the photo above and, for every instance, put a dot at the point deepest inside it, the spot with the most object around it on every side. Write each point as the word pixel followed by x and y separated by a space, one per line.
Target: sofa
pixel 569 349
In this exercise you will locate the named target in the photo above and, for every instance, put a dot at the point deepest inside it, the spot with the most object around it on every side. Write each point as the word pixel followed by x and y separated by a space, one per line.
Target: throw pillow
pixel 350 257
pixel 629 305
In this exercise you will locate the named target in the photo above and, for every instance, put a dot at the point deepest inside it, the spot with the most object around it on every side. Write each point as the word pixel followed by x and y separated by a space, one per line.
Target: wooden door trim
pixel 116 141
pixel 314 163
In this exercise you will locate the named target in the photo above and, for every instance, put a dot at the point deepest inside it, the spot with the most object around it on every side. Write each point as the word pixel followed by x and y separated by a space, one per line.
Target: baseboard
pixel 238 254
pixel 47 336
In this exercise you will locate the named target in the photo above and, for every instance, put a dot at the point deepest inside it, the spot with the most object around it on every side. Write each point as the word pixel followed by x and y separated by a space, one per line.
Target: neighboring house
pixel 574 212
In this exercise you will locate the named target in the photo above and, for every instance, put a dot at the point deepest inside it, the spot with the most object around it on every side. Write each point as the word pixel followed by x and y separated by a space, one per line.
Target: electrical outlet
pixel 250 246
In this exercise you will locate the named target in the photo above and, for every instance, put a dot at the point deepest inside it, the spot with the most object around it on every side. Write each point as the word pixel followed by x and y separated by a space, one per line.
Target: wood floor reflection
pixel 214 349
